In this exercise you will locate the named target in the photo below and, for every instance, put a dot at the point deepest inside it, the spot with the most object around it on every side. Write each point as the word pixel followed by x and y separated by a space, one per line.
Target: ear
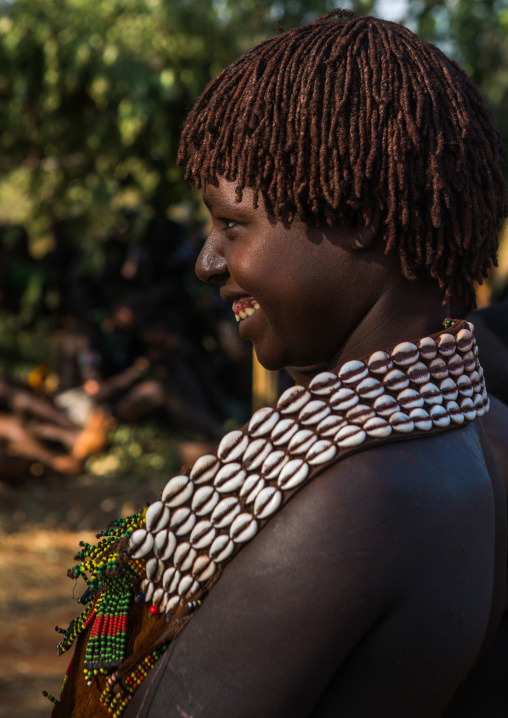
pixel 365 235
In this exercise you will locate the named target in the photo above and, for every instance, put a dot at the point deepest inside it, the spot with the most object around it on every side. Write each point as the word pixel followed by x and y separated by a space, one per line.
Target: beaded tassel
pixel 111 580
pixel 116 696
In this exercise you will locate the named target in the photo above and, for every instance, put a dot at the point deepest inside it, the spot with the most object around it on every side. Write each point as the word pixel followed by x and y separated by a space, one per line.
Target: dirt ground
pixel 42 521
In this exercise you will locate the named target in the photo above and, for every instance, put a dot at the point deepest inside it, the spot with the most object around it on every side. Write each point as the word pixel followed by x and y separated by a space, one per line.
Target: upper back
pixel 370 592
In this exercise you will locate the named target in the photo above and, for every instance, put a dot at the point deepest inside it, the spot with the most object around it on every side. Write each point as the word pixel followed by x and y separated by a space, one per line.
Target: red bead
pixel 154 610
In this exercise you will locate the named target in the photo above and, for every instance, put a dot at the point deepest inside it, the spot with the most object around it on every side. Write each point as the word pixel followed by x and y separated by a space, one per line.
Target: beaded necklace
pixel 169 555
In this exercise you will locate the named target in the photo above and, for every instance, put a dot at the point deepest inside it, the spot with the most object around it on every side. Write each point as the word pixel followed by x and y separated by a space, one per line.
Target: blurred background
pixel 116 365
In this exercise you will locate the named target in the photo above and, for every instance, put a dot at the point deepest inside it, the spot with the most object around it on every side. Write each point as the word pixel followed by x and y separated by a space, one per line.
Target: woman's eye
pixel 228 224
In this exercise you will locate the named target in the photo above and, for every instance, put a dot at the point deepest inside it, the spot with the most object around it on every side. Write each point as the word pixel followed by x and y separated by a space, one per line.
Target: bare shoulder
pixel 403 487
pixel 374 541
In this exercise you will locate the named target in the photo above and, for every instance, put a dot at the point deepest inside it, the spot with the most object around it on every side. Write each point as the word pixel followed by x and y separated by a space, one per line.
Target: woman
pixel 352 174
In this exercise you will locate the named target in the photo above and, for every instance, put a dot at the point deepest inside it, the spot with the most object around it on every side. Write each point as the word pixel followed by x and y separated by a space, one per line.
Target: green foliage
pixel 475 33
pixel 93 94
pixel 144 453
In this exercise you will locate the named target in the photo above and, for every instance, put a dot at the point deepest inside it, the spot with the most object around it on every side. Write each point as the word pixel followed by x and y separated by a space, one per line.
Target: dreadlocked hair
pixel 349 116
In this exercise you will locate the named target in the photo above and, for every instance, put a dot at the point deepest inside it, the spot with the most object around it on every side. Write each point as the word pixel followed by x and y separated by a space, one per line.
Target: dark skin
pixel 374 590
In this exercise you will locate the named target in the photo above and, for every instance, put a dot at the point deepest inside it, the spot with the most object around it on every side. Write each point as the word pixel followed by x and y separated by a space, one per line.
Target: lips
pixel 244 307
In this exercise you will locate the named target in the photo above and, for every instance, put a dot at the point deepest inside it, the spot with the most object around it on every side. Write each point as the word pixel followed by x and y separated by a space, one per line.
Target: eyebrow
pixel 221 205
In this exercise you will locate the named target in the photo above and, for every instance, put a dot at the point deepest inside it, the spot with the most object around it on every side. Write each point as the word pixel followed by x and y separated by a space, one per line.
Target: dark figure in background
pixel 137 337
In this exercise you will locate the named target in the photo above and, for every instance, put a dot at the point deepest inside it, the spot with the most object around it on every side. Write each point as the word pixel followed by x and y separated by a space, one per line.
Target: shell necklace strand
pixel 169 555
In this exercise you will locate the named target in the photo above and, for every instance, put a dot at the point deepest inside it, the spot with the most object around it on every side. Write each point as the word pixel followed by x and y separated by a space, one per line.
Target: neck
pixel 405 310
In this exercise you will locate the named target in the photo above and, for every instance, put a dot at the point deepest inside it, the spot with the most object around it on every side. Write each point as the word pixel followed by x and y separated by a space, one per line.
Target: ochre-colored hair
pixel 332 121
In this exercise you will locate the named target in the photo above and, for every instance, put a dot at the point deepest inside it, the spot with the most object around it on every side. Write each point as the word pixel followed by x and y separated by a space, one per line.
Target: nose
pixel 211 265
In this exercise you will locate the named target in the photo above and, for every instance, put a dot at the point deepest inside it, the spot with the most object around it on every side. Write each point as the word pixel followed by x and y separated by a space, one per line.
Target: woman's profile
pixel 345 552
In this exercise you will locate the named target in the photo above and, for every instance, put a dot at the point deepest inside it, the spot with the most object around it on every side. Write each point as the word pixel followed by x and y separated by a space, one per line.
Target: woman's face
pixel 301 290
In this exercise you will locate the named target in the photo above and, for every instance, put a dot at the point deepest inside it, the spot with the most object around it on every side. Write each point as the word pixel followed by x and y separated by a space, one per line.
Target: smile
pixel 245 307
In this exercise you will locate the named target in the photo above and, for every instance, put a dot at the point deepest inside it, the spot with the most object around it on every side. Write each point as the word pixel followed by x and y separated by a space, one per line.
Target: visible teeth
pixel 247 312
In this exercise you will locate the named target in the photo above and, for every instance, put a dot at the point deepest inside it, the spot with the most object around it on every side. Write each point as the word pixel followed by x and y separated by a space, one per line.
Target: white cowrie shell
pixel 428 349
pixel 229 478
pixel 205 500
pixel 418 373
pixel 468 409
pixel 184 556
pixel 149 591
pixel 232 446
pixel 370 388
pixel 313 412
pixel 385 405
pixel 380 363
pixel 283 430
pixel 157 517
pixel 446 345
pixel 273 464
pixel 469 361
pixel 464 340
pixel 171 579
pixel 344 399
pixel 256 453
pixel 438 368
pixel 243 528
pixel 377 428
pixel 439 416
pixel 173 603
pixel 204 568
pixel 329 425
pixel 293 399
pixel 267 502
pixel 202 535
pixel 454 412
pixel 225 512
pixel 302 441
pixel 164 602
pixel 353 371
pixel 182 521
pixel 204 469
pixel 140 543
pixel 324 384
pixel 263 421
pixel 471 327
pixel 448 389
pixel 293 474
pixel 409 399
pixel 476 382
pixel 177 491
pixel 401 422
pixel 158 597
pixel 350 435
pixel 359 414
pixel 251 487
pixel 421 419
pixel 455 365
pixel 395 380
pixel 431 394
pixel 154 569
pixel 479 405
pixel 188 586
pixel 222 548
pixel 321 452
pixel 405 353
pixel 164 544
pixel 144 585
